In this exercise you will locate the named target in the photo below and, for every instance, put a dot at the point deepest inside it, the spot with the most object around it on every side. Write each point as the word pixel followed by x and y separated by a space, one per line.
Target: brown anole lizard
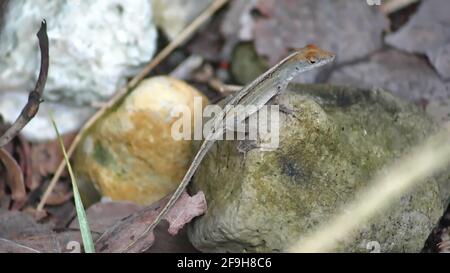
pixel 257 93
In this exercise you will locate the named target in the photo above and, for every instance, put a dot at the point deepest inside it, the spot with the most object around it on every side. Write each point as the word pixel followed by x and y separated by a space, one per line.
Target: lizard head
pixel 312 56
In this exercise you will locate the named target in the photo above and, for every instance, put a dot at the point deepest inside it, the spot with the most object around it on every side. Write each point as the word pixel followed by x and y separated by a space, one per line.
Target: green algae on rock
pixel 333 140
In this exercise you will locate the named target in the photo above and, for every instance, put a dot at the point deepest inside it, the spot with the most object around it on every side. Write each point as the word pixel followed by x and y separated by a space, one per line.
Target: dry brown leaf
pixel 238 22
pixel 14 224
pixel 8 246
pixel 5 201
pixel 101 216
pixel 444 246
pixel 2 182
pixel 23 150
pixel 427 32
pixel 60 194
pixel 125 232
pixel 38 215
pixel 405 75
pixel 46 243
pixel 350 28
pixel 46 157
pixel 51 242
pixel 20 148
pixel 208 42
pixel 14 176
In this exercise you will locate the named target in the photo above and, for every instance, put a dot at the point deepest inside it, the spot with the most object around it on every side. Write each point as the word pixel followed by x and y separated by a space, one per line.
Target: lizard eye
pixel 312 60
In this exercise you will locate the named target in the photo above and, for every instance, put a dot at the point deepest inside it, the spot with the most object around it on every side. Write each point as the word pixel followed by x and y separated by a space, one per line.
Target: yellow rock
pixel 129 154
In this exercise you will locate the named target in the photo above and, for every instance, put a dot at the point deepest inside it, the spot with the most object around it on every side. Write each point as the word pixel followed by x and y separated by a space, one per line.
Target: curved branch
pixel 35 96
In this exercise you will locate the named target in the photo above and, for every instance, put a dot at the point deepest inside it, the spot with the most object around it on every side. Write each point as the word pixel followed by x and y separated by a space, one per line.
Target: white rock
pixel 68 118
pixel 94 47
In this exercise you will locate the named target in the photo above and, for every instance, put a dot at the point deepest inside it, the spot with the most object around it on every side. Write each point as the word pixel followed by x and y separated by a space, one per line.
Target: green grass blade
pixel 82 219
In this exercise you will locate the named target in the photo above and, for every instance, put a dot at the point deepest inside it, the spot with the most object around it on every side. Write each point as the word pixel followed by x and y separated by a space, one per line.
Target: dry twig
pixel 35 97
pixel 220 87
pixel 180 39
pixel 13 170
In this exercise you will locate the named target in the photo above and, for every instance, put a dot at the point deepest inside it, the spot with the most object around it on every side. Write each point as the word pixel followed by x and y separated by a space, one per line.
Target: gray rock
pixel 332 141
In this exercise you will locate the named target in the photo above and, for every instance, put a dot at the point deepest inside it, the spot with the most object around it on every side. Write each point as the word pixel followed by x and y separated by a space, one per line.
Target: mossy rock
pixel 333 140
